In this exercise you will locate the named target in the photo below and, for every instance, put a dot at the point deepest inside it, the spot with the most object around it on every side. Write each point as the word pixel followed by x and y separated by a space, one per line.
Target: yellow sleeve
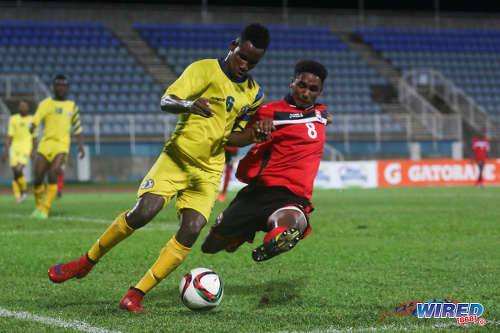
pixel 75 121
pixel 41 112
pixel 10 131
pixel 35 132
pixel 192 82
pixel 241 122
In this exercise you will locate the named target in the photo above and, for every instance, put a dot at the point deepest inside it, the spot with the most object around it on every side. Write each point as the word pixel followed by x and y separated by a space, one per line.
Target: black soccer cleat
pixel 281 243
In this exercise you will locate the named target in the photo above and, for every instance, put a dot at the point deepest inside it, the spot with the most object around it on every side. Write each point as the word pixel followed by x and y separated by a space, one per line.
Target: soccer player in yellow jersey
pixel 60 116
pixel 21 143
pixel 215 98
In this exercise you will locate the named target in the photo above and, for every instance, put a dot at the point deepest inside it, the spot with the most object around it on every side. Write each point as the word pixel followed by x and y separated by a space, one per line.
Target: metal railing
pixel 393 127
pixel 455 97
pixel 133 128
pixel 428 115
pixel 3 108
pixel 23 85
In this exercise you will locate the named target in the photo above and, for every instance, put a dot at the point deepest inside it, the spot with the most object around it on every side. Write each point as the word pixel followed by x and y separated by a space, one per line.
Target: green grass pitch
pixel 369 251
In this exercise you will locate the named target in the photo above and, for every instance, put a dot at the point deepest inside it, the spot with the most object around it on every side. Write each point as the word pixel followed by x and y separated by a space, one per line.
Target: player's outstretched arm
pixel 6 149
pixel 260 131
pixel 33 147
pixel 81 151
pixel 200 106
pixel 329 118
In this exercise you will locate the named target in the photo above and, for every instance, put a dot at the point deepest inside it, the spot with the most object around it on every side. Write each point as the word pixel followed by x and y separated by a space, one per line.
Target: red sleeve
pixel 263 112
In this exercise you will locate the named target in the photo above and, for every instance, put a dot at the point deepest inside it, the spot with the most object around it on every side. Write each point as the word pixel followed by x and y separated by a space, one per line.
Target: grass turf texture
pixel 369 251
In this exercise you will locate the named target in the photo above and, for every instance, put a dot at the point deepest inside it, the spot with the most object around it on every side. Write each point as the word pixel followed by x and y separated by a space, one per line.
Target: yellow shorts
pixel 195 188
pixel 19 155
pixel 50 149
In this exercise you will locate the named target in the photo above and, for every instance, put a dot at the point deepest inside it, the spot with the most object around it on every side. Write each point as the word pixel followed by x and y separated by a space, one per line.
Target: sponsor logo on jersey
pixel 217 99
pixel 296 115
pixel 148 183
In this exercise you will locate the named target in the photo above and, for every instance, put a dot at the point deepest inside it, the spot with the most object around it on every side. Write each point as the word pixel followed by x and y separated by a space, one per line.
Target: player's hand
pixel 329 118
pixel 32 154
pixel 262 130
pixel 81 152
pixel 4 157
pixel 201 107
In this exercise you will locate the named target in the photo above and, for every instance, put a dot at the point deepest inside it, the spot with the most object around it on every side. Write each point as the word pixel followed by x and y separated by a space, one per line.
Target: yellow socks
pixel 171 256
pixel 49 196
pixel 38 192
pixel 116 232
pixel 15 189
pixel 21 181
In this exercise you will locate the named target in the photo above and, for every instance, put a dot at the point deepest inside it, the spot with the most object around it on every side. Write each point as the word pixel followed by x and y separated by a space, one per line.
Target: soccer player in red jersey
pixel 280 172
pixel 231 153
pixel 480 148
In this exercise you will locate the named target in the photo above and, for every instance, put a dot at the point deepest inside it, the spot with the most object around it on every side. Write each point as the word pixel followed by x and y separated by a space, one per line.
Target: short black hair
pixel 60 77
pixel 257 34
pixel 313 67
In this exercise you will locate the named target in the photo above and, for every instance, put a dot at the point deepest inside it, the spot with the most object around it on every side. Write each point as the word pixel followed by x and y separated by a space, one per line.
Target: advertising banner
pixel 360 174
pixel 439 172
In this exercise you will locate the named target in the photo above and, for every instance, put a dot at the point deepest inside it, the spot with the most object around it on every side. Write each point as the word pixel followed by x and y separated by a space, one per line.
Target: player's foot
pixel 21 198
pixel 276 245
pixel 79 268
pixel 39 214
pixel 132 300
pixel 221 198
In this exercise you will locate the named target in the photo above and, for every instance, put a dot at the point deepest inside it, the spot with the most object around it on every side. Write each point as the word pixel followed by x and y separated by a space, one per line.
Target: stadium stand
pixel 470 58
pixel 104 77
pixel 347 89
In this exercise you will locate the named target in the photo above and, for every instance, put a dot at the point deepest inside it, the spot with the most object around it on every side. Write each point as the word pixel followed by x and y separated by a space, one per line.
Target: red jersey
pixel 291 157
pixel 481 147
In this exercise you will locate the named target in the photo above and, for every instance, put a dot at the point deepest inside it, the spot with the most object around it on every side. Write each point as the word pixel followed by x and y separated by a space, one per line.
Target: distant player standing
pixel 21 143
pixel 60 117
pixel 280 172
pixel 481 148
pixel 215 98
pixel 231 153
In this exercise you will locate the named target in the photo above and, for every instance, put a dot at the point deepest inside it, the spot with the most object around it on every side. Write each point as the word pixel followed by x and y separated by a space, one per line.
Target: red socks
pixel 274 232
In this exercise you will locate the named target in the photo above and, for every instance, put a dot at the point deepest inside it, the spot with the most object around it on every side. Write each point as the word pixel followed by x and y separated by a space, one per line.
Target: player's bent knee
pixel 290 217
pixel 145 209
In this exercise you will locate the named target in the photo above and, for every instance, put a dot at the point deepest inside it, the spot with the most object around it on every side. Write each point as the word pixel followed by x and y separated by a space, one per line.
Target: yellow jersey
pixel 59 118
pixel 19 130
pixel 202 140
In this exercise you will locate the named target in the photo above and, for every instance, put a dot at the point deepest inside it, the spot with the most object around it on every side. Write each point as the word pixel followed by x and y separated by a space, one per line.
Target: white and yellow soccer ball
pixel 201 289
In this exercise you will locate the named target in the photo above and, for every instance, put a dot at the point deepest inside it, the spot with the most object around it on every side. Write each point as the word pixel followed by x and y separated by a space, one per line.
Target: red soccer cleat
pixel 221 197
pixel 132 300
pixel 79 268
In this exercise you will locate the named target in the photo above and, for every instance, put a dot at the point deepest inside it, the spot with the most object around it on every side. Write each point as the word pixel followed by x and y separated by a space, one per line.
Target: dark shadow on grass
pixel 267 294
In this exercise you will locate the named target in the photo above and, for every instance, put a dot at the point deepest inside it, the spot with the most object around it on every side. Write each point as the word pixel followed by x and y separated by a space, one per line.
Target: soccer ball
pixel 201 289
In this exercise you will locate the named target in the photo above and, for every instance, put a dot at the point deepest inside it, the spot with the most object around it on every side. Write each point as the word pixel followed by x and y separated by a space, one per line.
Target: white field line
pixel 71 324
pixel 152 226
pixel 400 328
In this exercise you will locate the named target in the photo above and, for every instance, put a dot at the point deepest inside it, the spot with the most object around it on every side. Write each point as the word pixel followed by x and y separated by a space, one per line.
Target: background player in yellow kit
pixel 215 98
pixel 21 143
pixel 60 116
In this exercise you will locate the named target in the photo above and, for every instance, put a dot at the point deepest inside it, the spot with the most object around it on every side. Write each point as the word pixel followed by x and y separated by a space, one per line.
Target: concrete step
pixel 140 49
